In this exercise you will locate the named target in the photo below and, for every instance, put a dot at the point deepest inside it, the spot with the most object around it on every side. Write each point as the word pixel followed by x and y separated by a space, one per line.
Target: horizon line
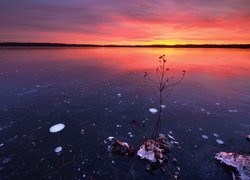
pixel 48 44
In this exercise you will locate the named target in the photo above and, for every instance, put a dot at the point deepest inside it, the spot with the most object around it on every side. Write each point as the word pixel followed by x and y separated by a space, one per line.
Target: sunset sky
pixel 126 21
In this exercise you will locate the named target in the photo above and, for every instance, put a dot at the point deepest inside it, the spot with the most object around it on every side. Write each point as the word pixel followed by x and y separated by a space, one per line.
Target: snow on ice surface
pixel 215 135
pixel 56 128
pixel 58 149
pixel 219 141
pixel 163 106
pixel 204 136
pixel 153 110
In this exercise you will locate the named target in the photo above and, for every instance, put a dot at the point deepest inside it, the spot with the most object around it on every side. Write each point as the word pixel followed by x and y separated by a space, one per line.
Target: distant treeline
pixel 16 44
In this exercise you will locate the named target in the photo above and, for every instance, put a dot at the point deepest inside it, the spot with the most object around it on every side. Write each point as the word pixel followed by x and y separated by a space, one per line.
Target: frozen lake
pixel 58 106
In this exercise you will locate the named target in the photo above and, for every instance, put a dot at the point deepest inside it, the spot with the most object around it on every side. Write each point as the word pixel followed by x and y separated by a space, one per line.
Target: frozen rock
pixel 241 163
pixel 122 148
pixel 153 110
pixel 56 128
pixel 154 151
pixel 58 149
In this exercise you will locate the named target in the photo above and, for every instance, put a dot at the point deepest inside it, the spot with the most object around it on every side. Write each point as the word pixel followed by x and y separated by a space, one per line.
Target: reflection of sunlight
pixel 219 61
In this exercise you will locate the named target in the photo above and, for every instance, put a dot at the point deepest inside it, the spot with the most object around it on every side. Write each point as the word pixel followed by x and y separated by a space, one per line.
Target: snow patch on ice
pixel 56 128
pixel 153 110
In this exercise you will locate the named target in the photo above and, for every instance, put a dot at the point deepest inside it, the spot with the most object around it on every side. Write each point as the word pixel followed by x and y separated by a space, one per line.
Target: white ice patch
pixel 2 144
pixel 153 110
pixel 232 111
pixel 119 95
pixel 56 128
pixel 219 141
pixel 217 104
pixel 58 149
pixel 215 135
pixel 204 136
pixel 163 106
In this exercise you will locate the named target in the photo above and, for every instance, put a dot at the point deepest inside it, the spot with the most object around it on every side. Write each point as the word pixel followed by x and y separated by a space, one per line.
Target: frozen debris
pixel 240 162
pixel 119 95
pixel 110 138
pixel 217 104
pixel 248 137
pixel 215 135
pixel 122 148
pixel 153 110
pixel 56 128
pixel 204 136
pixel 219 141
pixel 58 149
pixel 163 106
pixel 154 151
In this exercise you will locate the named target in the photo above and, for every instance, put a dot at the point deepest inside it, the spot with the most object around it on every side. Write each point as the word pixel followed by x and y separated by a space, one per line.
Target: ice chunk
pixel 153 110
pixel 219 141
pixel 204 136
pixel 58 149
pixel 56 128
pixel 240 162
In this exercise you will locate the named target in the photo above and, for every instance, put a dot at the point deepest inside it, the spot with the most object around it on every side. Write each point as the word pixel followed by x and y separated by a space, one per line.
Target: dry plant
pixel 162 88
